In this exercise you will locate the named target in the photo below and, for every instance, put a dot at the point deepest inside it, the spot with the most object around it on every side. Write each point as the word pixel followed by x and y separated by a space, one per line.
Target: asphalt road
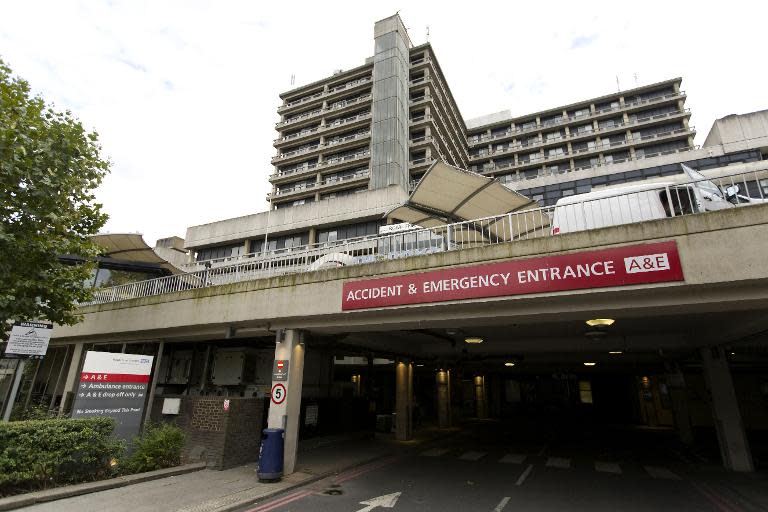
pixel 493 466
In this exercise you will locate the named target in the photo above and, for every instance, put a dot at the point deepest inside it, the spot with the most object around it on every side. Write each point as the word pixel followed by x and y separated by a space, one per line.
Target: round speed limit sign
pixel 278 394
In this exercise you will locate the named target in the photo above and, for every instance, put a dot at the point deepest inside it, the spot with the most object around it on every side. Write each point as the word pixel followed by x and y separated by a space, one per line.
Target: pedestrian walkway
pixel 232 489
pixel 218 491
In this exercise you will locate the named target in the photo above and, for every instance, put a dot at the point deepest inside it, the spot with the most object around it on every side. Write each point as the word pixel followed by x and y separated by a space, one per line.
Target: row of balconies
pixel 324 184
pixel 578 135
pixel 323 94
pixel 323 128
pixel 449 107
pixel 597 148
pixel 320 166
pixel 281 157
pixel 541 173
pixel 319 111
pixel 574 119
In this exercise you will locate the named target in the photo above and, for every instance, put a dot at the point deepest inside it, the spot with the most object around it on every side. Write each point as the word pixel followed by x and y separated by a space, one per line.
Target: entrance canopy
pixel 130 247
pixel 447 194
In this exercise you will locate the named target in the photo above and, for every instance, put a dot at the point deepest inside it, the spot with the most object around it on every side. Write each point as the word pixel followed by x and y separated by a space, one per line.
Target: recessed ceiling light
pixel 473 340
pixel 509 364
pixel 590 364
pixel 600 322
pixel 616 352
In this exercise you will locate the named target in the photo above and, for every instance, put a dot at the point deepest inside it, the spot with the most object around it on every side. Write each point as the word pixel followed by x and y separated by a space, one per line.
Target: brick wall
pixel 221 438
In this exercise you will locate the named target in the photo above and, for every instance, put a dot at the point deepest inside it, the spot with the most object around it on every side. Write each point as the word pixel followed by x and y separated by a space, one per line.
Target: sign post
pixel 114 385
pixel 28 340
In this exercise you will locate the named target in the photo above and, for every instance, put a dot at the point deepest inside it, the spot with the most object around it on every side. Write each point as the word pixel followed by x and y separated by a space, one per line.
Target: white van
pixel 692 193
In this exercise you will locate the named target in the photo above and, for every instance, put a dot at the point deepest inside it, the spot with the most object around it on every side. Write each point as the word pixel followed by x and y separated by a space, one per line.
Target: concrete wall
pixel 738 132
pixel 341 210
pixel 720 251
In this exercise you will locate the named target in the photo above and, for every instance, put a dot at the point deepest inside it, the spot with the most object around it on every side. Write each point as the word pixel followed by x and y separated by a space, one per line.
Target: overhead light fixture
pixel 509 363
pixel 600 322
pixel 590 364
pixel 419 365
pixel 616 352
pixel 473 340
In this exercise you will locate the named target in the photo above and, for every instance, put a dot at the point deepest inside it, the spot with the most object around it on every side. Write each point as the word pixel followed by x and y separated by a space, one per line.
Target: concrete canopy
pixel 447 194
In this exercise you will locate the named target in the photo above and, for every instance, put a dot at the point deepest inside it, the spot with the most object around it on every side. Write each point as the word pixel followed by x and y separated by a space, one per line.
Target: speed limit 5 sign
pixel 278 393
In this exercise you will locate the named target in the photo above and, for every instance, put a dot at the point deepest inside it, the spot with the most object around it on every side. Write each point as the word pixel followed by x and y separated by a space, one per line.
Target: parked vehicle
pixel 638 203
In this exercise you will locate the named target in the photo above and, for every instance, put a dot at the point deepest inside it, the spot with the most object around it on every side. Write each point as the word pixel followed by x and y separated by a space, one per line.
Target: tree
pixel 49 167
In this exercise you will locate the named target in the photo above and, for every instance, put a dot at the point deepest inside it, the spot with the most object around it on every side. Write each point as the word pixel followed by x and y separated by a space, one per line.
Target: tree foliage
pixel 49 167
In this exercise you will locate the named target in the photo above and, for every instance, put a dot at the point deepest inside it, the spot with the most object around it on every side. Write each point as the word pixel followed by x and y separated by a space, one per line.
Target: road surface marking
pixel 541 452
pixel 513 458
pixel 558 462
pixel 502 504
pixel 472 455
pixel 524 475
pixel 607 467
pixel 664 473
pixel 435 452
pixel 386 501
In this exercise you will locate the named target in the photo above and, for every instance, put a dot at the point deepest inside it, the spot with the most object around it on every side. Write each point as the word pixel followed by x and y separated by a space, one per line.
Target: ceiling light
pixel 509 364
pixel 590 364
pixel 616 352
pixel 473 340
pixel 419 365
pixel 600 322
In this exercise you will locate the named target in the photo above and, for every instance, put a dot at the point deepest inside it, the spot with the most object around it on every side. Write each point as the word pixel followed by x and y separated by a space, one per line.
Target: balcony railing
pixel 574 119
pixel 333 90
pixel 681 199
pixel 633 122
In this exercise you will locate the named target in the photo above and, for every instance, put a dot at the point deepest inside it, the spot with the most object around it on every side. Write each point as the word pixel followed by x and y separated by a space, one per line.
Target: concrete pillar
pixel 679 397
pixel 443 399
pixel 481 404
pixel 403 401
pixel 69 384
pixel 734 447
pixel 285 415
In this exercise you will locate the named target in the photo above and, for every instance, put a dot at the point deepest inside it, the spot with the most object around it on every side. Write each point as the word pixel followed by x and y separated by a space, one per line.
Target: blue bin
pixel 271 455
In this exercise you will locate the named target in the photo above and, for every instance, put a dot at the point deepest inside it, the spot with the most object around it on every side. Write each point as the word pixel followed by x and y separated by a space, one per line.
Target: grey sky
pixel 184 93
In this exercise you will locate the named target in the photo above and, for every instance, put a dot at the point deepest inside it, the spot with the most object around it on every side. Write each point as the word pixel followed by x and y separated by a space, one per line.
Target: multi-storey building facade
pixel 351 146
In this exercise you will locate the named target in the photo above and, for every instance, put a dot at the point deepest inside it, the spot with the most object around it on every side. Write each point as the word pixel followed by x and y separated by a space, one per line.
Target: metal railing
pixel 575 119
pixel 641 204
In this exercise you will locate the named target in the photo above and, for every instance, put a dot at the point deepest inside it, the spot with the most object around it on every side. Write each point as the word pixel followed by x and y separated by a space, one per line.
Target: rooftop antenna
pixel 617 83
pixel 293 79
pixel 427 33
pixel 636 84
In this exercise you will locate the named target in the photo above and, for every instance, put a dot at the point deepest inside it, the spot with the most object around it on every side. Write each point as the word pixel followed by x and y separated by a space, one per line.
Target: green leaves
pixel 49 167
pixel 38 453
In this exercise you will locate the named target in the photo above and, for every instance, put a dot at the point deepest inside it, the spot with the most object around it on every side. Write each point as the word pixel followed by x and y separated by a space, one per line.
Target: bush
pixel 157 448
pixel 37 454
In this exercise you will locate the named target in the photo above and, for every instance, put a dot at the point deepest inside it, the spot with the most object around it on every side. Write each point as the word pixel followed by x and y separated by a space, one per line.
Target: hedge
pixel 38 454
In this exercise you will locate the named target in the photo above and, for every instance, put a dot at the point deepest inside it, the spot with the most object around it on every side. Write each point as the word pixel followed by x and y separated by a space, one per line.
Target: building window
pixel 221 252
pixel 585 391
pixel 350 231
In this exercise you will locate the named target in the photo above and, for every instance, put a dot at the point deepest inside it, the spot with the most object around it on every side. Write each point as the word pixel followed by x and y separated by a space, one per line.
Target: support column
pixel 153 384
pixel 69 384
pixel 734 447
pixel 443 399
pixel 679 397
pixel 481 405
pixel 285 415
pixel 403 401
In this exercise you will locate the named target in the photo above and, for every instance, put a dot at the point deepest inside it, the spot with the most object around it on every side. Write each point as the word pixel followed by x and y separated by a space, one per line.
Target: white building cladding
pixel 344 144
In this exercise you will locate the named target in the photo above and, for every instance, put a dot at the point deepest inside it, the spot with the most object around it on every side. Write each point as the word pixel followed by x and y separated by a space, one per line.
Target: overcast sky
pixel 184 93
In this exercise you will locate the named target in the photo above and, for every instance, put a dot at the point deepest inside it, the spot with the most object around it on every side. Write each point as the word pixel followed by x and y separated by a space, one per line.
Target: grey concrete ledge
pixel 30 498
